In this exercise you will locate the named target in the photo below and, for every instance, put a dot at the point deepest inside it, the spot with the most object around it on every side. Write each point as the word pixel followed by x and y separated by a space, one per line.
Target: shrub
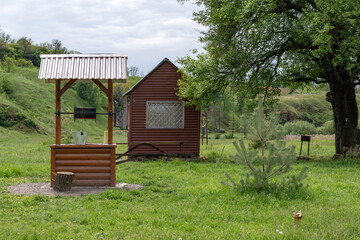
pixel 299 128
pixel 30 123
pixel 327 129
pixel 24 63
pixel 255 144
pixel 8 64
pixel 264 167
pixel 5 85
pixel 90 93
pixel 212 156
pixel 229 136
pixel 217 136
pixel 5 118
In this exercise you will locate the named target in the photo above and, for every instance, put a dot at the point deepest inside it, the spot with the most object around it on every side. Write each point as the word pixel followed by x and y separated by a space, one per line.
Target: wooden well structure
pixel 93 164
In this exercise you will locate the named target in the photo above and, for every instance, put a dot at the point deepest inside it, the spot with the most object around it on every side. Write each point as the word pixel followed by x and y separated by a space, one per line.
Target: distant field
pixel 180 199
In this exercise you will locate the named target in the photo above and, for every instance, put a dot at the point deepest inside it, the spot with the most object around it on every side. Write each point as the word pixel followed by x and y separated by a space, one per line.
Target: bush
pixel 30 123
pixel 5 85
pixel 327 129
pixel 24 63
pixel 8 64
pixel 90 93
pixel 299 128
pixel 212 156
pixel 5 118
pixel 229 136
pixel 217 136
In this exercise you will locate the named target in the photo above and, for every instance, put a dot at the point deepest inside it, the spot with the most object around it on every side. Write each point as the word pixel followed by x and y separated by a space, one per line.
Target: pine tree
pixel 262 166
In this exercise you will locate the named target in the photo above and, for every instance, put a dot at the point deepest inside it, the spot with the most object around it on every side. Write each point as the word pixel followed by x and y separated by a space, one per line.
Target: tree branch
pixel 296 77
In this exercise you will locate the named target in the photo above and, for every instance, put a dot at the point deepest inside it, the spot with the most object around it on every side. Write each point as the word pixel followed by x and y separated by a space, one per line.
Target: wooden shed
pixel 158 121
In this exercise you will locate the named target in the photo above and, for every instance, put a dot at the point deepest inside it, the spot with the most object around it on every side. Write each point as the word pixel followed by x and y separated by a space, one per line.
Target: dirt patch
pixel 313 137
pixel 46 190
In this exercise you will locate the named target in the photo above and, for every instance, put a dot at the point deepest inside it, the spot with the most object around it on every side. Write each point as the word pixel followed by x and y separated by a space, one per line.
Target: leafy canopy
pixel 257 46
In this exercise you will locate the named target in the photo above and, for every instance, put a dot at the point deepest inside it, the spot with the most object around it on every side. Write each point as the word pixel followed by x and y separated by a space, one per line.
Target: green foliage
pixel 229 136
pixel 90 93
pixel 282 44
pixel 310 107
pixel 5 84
pixel 299 128
pixel 121 88
pixel 256 47
pixel 224 113
pixel 217 136
pixel 263 167
pixel 30 107
pixel 327 129
pixel 212 156
pixel 30 123
pixel 257 126
pixel 25 52
pixel 7 118
pixel 8 64
pixel 24 63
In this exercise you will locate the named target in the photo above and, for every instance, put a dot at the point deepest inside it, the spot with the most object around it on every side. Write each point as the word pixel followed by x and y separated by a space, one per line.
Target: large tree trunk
pixel 343 100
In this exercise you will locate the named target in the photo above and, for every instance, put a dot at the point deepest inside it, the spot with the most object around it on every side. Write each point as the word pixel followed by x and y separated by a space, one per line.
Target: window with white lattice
pixel 165 114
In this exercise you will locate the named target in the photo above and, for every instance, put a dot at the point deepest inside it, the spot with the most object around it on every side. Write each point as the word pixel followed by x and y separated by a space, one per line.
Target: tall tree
pixel 256 46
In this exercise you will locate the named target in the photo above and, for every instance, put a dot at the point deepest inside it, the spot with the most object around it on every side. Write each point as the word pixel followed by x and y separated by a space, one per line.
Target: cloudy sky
pixel 145 30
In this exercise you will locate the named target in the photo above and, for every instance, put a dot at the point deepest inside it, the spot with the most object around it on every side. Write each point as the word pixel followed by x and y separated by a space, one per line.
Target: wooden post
pixel 309 148
pixel 202 125
pixel 57 116
pixel 53 167
pixel 110 111
pixel 113 168
pixel 305 139
pixel 206 122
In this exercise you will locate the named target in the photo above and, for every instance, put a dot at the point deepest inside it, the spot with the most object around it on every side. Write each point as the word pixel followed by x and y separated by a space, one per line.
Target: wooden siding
pixel 93 164
pixel 161 85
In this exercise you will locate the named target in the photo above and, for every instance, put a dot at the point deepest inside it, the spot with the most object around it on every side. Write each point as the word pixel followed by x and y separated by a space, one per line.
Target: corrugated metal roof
pixel 83 67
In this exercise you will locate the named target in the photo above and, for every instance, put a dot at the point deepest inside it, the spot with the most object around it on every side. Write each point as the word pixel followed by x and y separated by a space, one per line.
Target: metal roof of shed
pixel 141 80
pixel 83 67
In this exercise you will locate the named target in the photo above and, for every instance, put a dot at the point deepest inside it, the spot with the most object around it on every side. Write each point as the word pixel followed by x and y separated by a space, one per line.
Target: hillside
pixel 28 106
pixel 309 107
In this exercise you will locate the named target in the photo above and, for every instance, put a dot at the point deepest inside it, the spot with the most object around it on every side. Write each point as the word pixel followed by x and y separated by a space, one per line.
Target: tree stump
pixel 63 181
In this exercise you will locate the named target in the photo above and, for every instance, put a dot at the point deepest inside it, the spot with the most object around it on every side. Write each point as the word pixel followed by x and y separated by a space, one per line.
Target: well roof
pixel 83 67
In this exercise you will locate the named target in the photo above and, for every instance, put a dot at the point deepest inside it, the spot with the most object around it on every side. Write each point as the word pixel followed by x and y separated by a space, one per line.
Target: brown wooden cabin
pixel 157 116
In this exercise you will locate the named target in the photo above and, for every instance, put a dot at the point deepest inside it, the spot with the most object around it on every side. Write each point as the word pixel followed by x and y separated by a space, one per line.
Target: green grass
pixel 35 99
pixel 180 199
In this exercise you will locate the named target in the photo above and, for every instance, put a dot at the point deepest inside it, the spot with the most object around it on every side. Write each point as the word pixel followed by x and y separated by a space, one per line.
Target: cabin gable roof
pixel 166 60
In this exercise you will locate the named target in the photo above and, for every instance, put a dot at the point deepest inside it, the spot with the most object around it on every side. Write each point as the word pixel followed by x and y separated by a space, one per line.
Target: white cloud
pixel 147 31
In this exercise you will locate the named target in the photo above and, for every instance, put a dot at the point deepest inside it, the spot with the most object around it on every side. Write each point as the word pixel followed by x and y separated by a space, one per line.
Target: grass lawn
pixel 181 199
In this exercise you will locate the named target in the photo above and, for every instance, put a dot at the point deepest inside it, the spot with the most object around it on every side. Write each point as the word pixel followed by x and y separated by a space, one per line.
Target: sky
pixel 146 31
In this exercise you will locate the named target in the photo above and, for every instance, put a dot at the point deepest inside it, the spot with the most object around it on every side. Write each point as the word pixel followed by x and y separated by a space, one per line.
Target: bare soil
pixel 46 190
pixel 313 137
